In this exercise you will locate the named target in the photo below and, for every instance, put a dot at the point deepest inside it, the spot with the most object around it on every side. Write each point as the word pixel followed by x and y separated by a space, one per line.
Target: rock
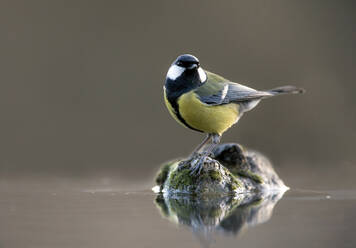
pixel 233 169
pixel 214 178
pixel 254 169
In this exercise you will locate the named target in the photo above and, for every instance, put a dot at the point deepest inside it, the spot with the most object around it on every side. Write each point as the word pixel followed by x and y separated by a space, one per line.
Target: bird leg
pixel 198 166
pixel 215 141
pixel 200 146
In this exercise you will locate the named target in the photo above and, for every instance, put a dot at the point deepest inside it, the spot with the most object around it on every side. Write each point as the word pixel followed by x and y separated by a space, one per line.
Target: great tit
pixel 208 103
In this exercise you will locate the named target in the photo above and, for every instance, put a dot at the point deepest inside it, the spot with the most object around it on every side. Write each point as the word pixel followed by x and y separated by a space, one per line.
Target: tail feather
pixel 286 90
pixel 252 100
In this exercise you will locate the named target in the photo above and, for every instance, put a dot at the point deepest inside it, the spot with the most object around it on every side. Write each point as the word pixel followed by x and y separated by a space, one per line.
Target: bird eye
pixel 179 63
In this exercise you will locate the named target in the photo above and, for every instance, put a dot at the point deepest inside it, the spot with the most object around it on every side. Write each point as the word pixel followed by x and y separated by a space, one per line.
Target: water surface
pixel 67 212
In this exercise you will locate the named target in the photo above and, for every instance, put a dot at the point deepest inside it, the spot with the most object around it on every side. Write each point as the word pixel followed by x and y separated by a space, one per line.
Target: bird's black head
pixel 187 61
pixel 184 74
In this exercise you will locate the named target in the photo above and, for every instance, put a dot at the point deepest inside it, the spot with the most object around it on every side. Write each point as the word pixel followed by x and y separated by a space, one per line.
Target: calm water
pixel 99 212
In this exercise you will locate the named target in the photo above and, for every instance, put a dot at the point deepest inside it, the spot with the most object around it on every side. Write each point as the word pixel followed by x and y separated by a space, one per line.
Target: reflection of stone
pixel 233 170
pixel 224 214
pixel 252 211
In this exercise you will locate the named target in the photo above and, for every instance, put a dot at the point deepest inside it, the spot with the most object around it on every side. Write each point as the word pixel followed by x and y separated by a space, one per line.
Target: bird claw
pixel 197 166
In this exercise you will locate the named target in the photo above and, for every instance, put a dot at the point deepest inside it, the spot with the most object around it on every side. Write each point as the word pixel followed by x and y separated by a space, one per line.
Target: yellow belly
pixel 209 119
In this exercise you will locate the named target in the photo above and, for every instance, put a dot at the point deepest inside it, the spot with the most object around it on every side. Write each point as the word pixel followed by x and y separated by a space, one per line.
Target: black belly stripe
pixel 174 103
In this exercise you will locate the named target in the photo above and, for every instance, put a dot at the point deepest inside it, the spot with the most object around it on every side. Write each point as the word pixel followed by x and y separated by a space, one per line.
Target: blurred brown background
pixel 81 81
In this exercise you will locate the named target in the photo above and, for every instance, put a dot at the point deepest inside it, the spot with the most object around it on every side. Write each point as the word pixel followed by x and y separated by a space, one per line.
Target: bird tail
pixel 250 101
pixel 285 90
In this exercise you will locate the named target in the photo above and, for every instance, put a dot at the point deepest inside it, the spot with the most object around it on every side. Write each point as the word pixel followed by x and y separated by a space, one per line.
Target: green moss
pixel 233 187
pixel 163 173
pixel 181 179
pixel 235 183
pixel 215 175
pixel 251 175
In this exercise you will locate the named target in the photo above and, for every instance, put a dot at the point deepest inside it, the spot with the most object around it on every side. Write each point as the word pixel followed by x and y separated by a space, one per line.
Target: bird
pixel 208 103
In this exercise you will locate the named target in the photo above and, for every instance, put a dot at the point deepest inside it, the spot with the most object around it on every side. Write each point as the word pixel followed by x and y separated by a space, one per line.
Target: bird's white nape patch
pixel 202 75
pixel 174 72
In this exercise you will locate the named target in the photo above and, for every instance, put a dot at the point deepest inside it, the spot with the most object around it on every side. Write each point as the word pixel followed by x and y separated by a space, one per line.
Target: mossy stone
pixel 234 170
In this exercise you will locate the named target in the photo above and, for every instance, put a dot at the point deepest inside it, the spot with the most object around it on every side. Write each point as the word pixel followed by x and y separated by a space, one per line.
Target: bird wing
pixel 218 90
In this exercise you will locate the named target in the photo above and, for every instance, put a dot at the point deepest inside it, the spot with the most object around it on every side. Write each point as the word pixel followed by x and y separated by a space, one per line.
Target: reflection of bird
pixel 209 103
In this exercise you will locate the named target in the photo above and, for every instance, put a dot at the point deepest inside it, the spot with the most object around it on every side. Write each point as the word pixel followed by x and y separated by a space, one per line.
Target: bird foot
pixel 197 165
pixel 185 163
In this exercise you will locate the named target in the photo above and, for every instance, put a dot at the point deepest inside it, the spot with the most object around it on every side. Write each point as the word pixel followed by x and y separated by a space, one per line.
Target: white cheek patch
pixel 202 75
pixel 174 72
